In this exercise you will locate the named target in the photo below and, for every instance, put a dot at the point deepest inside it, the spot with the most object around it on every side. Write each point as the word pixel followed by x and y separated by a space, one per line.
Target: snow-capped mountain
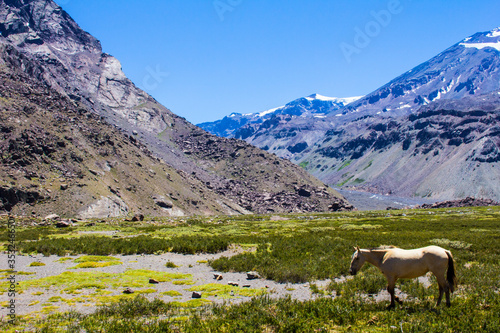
pixel 315 105
pixel 470 67
pixel 432 132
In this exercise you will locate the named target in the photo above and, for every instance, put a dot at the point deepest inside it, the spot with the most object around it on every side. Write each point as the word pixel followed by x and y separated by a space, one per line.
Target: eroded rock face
pixel 105 207
pixel 73 62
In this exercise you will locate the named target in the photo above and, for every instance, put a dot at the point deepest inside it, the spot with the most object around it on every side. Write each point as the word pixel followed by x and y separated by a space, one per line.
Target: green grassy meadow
pixel 290 249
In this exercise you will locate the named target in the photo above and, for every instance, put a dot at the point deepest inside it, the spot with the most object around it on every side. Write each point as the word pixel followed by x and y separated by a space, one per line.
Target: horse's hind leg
pixel 447 291
pixel 390 289
pixel 440 295
pixel 443 288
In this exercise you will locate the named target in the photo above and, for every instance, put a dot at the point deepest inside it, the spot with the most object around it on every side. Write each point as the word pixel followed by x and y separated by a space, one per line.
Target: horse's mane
pixel 383 247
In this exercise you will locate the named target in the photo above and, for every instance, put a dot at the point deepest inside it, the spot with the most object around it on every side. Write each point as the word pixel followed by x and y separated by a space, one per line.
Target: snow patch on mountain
pixel 345 100
pixel 264 113
pixel 481 46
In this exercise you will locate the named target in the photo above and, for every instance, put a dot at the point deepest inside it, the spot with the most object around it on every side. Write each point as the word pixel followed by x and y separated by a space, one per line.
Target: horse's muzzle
pixel 352 272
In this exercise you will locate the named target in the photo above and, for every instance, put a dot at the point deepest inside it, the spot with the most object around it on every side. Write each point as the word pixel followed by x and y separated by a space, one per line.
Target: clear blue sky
pixel 205 59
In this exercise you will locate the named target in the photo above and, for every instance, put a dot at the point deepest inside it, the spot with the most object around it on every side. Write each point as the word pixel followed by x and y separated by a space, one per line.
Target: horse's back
pixel 415 262
pixel 431 250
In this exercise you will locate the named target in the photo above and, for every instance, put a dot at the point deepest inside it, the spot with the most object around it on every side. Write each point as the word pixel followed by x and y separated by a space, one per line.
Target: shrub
pixel 100 245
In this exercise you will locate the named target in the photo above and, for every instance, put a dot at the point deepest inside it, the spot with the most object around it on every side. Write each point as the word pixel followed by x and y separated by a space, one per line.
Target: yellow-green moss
pixel 171 293
pixel 83 259
pixel 64 259
pixel 93 264
pixel 183 282
pixel 36 263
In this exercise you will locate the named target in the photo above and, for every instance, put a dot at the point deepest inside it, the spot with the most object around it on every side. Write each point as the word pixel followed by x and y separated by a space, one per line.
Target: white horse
pixel 396 263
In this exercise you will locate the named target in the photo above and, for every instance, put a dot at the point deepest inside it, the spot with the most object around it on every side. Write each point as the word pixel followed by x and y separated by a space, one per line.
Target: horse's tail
pixel 450 276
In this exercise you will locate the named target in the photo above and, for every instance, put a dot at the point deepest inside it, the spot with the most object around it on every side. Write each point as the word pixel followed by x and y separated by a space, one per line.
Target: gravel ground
pixel 188 264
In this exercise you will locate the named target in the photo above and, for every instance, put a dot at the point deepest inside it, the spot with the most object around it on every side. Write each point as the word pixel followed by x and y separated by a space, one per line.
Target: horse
pixel 396 263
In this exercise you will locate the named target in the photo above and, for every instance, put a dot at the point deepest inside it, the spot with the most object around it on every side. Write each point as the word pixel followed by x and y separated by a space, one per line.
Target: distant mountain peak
pixel 312 106
pixel 488 39
pixel 494 33
pixel 321 97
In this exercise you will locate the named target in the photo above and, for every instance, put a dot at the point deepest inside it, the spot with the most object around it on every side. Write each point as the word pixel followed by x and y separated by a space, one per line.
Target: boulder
pixel 163 202
pixel 63 224
pixel 252 275
pixel 137 218
pixel 196 294
pixel 304 193
pixel 52 217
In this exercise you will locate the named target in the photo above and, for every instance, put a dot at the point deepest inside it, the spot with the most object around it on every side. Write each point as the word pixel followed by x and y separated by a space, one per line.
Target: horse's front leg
pixel 391 285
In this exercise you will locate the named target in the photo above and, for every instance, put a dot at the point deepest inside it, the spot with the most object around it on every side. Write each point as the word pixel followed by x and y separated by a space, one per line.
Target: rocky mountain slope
pixel 58 156
pixel 433 153
pixel 432 132
pixel 149 159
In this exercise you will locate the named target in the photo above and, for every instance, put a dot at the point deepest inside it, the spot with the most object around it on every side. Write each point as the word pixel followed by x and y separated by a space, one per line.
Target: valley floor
pixel 73 279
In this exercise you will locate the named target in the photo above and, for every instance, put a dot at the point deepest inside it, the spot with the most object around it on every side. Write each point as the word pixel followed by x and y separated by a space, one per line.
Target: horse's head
pixel 358 259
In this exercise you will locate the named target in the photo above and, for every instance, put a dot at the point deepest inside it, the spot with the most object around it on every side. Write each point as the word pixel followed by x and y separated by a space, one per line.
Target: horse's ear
pixel 357 248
